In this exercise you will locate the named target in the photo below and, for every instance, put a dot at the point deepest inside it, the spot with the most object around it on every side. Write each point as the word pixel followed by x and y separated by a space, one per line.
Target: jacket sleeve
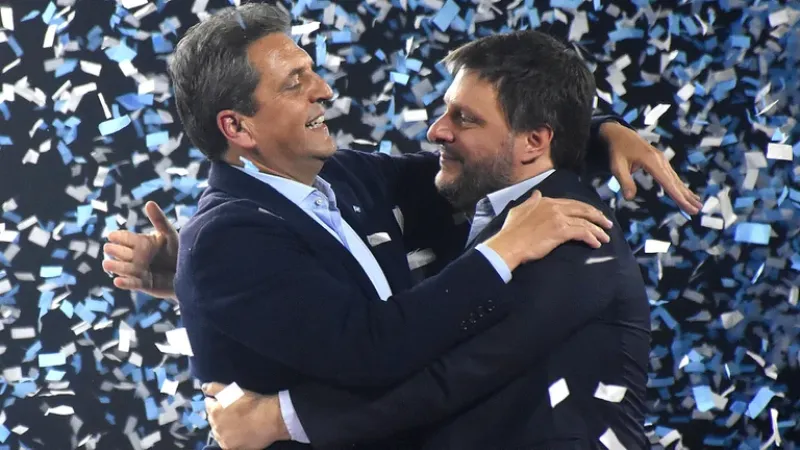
pixel 561 293
pixel 258 284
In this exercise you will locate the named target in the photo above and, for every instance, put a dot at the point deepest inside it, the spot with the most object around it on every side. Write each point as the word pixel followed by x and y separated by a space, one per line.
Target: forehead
pixel 277 54
pixel 469 91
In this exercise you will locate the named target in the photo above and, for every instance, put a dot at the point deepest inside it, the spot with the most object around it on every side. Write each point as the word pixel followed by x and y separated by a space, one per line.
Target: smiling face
pixel 286 135
pixel 478 147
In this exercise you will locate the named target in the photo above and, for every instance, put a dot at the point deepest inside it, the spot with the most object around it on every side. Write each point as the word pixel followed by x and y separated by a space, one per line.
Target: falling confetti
pixel 88 133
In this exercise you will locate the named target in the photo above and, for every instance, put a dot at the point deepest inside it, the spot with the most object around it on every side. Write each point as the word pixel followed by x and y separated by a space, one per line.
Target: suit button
pixel 472 320
pixel 490 308
pixel 480 315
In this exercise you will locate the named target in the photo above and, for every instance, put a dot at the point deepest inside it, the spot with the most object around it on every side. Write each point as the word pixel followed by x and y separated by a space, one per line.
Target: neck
pixel 528 171
pixel 304 172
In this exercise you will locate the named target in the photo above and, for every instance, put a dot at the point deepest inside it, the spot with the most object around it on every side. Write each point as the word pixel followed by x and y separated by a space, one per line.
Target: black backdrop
pixel 725 349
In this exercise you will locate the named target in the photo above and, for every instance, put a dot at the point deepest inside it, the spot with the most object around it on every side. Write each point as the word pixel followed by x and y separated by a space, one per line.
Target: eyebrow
pixel 458 106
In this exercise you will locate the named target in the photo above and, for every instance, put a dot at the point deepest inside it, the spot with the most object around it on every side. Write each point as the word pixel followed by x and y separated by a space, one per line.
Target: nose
pixel 440 131
pixel 321 90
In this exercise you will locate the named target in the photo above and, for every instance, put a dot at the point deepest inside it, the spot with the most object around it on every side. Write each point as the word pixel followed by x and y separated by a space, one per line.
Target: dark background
pixel 730 51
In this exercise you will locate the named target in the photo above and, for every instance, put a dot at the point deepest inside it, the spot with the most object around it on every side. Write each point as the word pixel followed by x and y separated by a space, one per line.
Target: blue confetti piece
pixel 120 53
pixel 161 45
pixel 445 16
pixel 321 50
pixel 47 16
pixel 84 313
pixel 155 140
pixel 704 398
pixel 401 78
pixel 111 126
pixel 50 271
pixel 625 33
pixel 385 147
pixel 4 433
pixel 32 351
pixel 760 402
pixel 96 305
pixel 342 37
pixel 67 308
pixel 12 42
pixel 151 408
pixel 55 375
pixel 52 359
pixel 6 140
pixel 67 67
pixel 752 233
pixel 148 321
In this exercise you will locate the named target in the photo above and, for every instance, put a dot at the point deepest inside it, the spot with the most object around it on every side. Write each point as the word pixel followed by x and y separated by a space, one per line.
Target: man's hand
pixel 535 227
pixel 629 152
pixel 145 262
pixel 252 422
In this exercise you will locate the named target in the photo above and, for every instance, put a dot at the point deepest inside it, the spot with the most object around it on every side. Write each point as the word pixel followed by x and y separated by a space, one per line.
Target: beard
pixel 478 179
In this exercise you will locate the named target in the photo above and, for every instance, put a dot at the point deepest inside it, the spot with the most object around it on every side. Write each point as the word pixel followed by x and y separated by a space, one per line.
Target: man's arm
pixel 560 289
pixel 284 305
pixel 256 282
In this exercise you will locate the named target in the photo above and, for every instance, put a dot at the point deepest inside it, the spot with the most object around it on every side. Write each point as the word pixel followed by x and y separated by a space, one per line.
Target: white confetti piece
pixel 686 92
pixel 126 335
pixel 415 115
pixel 150 440
pixel 23 333
pixel 651 118
pixel 230 394
pixel 611 441
pixel 179 340
pixel 730 319
pixel 782 152
pixel 600 259
pixel 20 430
pixel 91 68
pixel 170 387
pixel 39 237
pixel 610 393
pixel 656 246
pixel 5 286
pixel 716 223
pixel 12 374
pixel 378 239
pixel 669 438
pixel 7 17
pixel 559 391
pixel 62 410
pixel 135 359
pixel 306 28
pixel 130 4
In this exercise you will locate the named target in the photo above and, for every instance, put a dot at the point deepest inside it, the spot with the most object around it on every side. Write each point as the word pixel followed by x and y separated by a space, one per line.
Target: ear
pixel 235 128
pixel 537 144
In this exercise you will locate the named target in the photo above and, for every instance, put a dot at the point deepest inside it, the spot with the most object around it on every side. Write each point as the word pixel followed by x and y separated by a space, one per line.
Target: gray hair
pixel 211 72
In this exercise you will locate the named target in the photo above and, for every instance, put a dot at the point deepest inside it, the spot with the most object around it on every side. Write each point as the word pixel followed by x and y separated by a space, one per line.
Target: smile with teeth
pixel 316 123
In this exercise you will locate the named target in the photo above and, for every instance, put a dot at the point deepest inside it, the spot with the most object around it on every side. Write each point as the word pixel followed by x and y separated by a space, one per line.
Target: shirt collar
pixel 295 191
pixel 500 199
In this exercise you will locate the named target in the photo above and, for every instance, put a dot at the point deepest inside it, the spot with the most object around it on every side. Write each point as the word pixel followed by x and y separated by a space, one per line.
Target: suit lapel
pixel 240 185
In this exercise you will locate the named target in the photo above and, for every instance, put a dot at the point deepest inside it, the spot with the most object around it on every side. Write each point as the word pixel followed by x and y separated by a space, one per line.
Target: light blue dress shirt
pixel 319 202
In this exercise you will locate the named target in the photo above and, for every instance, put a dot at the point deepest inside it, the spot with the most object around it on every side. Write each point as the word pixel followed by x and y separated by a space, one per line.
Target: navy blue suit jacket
pixel 271 300
pixel 581 315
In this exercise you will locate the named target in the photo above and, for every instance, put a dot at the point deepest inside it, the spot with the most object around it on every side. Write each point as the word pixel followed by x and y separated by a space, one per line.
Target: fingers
pixel 118 252
pixel 123 268
pixel 579 210
pixel 585 234
pixel 129 284
pixel 622 172
pixel 158 219
pixel 126 238
pixel 665 175
pixel 212 388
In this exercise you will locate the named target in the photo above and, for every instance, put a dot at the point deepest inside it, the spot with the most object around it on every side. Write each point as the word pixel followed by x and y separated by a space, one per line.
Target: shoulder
pixel 221 219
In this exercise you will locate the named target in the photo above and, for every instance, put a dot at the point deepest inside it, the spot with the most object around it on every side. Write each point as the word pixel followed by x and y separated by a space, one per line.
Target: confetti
pixel 229 394
pixel 88 117
pixel 611 441
pixel 610 392
pixel 558 392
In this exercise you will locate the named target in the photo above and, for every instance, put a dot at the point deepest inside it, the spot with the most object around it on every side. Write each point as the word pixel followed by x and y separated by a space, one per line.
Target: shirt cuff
pixel 290 419
pixel 496 261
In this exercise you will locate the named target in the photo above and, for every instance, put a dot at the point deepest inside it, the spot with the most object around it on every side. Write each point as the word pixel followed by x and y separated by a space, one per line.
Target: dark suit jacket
pixel 581 315
pixel 271 300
